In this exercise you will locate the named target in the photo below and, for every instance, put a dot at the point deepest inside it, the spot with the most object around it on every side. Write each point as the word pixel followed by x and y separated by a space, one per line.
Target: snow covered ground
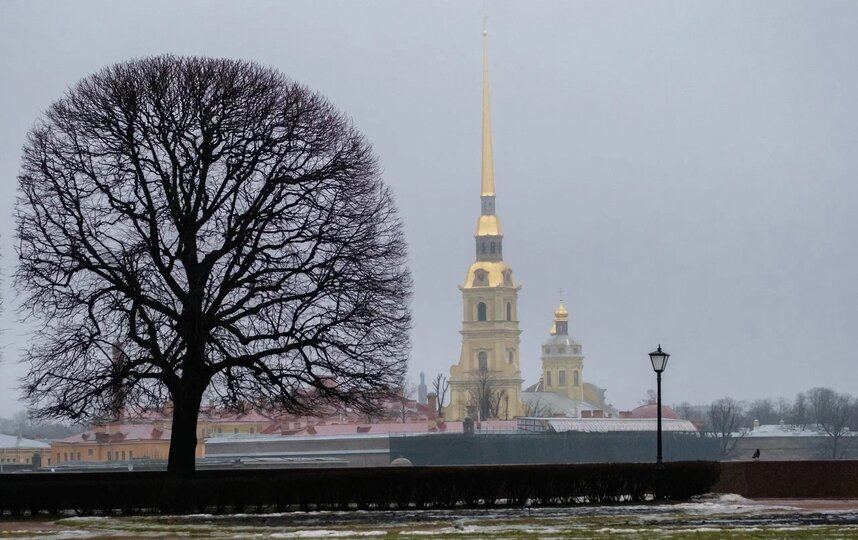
pixel 721 516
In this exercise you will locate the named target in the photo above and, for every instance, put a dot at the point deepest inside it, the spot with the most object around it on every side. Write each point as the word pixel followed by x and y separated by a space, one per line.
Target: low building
pixel 359 445
pixel 603 425
pixel 19 451
pixel 114 442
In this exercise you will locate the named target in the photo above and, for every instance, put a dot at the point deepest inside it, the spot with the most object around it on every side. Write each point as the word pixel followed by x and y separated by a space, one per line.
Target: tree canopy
pixel 193 228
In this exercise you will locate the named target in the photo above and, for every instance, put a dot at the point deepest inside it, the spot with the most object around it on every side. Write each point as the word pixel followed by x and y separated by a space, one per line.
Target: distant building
pixel 650 410
pixel 562 390
pixel 422 390
pixel 16 450
pixel 362 445
pixel 780 442
pixel 114 442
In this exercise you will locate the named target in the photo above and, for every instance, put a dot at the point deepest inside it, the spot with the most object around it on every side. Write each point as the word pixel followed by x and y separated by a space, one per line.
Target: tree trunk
pixel 183 439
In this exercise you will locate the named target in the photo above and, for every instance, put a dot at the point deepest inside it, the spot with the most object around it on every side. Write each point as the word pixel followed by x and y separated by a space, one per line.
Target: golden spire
pixel 488 183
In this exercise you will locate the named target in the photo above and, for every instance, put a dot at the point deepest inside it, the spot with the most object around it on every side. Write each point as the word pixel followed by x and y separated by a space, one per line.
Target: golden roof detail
pixel 488 226
pixel 560 313
pixel 494 274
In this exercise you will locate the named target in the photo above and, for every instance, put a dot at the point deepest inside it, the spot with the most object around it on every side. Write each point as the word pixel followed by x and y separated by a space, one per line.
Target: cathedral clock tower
pixel 489 362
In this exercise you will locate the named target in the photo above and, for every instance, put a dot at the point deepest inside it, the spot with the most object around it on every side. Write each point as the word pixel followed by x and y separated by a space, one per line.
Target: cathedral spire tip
pixel 488 172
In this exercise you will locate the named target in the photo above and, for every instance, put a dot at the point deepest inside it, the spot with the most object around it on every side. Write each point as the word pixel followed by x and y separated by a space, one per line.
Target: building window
pixel 561 378
pixel 58 457
pixel 89 451
pixel 253 430
pixel 123 454
pixel 109 455
pixel 65 456
pixel 575 378
pixel 548 378
pixel 482 311
pixel 78 456
pixel 492 249
pixel 131 454
pixel 561 350
pixel 483 361
pixel 510 357
pixel 509 311
pixel 235 430
pixel 220 430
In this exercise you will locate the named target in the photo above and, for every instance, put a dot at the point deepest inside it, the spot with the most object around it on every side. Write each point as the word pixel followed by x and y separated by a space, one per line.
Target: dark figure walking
pixel 756 454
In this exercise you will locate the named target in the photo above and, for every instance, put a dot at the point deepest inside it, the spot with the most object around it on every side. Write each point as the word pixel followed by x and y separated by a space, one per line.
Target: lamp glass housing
pixel 659 360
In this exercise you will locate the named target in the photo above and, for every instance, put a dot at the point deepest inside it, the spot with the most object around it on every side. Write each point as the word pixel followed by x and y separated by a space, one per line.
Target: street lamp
pixel 659 363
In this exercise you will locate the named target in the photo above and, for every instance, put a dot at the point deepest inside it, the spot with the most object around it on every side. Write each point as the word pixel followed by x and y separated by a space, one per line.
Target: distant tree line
pixel 829 413
pixel 23 425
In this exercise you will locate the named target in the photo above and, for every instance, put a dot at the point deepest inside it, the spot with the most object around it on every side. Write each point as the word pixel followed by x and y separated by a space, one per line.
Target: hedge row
pixel 342 489
pixel 790 479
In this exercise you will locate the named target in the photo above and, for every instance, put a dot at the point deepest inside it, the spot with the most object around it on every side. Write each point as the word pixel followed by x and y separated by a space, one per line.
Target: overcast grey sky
pixel 685 171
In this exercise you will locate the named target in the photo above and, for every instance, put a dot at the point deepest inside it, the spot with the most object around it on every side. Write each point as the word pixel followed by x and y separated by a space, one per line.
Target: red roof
pixel 120 432
pixel 650 410
pixel 398 427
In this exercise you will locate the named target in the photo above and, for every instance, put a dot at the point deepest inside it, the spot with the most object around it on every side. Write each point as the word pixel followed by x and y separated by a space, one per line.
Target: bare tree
pixel 649 397
pixel 228 226
pixel 724 422
pixel 441 386
pixel 832 413
pixel 763 411
pixel 537 408
pixel 799 416
pixel 485 398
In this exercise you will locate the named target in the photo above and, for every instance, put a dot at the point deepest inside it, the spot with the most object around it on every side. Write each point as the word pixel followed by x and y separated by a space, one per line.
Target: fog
pixel 684 171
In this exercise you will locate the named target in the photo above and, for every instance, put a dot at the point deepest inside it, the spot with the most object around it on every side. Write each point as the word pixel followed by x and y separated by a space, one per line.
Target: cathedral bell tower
pixel 487 380
pixel 562 361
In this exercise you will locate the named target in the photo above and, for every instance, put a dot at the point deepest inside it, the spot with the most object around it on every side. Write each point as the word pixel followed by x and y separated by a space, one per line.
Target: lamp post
pixel 659 363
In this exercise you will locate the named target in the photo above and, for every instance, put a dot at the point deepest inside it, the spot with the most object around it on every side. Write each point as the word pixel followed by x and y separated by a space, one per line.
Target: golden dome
pixel 560 313
pixel 552 331
pixel 488 225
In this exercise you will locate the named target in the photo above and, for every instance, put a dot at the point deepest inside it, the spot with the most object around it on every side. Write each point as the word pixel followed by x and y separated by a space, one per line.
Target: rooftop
pixel 12 441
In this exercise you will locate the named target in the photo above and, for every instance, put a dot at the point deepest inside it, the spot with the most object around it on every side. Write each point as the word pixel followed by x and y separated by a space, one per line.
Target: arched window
pixel 547 378
pixel 509 311
pixel 561 378
pixel 575 378
pixel 483 247
pixel 493 247
pixel 481 311
pixel 483 361
pixel 511 357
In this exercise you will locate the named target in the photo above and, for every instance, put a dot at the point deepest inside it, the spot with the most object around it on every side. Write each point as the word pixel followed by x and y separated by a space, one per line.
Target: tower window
pixel 509 311
pixel 483 361
pixel 511 357
pixel 548 378
pixel 575 378
pixel 493 247
pixel 561 378
pixel 482 247
pixel 561 350
pixel 481 311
